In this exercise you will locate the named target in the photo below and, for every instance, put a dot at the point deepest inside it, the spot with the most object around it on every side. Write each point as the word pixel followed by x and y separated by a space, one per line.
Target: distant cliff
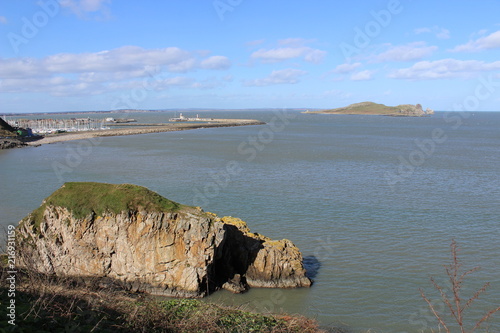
pixel 370 108
pixel 145 242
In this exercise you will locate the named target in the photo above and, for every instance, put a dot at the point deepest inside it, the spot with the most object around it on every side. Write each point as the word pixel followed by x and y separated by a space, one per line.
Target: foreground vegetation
pixel 48 304
pixel 456 305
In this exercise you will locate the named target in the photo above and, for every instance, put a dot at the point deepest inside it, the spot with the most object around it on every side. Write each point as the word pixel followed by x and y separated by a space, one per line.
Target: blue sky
pixel 78 55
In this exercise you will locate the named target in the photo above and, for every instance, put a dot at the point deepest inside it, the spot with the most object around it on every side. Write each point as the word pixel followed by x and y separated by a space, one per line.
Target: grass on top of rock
pixel 83 198
pixel 365 108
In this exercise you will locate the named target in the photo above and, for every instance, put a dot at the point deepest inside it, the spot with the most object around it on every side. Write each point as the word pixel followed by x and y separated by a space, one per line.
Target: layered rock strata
pixel 153 245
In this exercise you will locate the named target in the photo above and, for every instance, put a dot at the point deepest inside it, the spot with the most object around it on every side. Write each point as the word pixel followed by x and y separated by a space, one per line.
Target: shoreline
pixel 143 129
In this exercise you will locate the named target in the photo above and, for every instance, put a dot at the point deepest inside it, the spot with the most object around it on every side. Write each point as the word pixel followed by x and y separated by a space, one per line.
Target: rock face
pixel 7 143
pixel 259 261
pixel 153 245
pixel 410 110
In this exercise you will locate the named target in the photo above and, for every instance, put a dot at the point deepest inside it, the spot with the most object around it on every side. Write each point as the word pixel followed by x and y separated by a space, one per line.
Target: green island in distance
pixel 370 108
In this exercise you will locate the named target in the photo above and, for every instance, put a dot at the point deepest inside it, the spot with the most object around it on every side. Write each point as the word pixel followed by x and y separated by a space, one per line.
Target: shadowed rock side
pixel 180 251
pixel 253 260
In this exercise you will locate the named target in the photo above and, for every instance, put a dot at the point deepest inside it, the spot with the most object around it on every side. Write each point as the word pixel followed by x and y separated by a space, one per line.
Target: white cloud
pixel 158 84
pixel 275 55
pixel 481 32
pixel 444 69
pixel 106 70
pixel 314 56
pixel 346 68
pixel 118 76
pixel 440 33
pixel 63 86
pixel 83 8
pixel 284 76
pixel 121 59
pixel 56 86
pixel 209 83
pixel 34 84
pixel 409 52
pixel 216 62
pixel 492 41
pixel 362 76
pixel 127 59
pixel 182 66
pixel 290 48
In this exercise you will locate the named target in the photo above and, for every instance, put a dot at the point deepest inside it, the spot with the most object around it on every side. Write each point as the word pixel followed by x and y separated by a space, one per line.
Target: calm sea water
pixel 372 202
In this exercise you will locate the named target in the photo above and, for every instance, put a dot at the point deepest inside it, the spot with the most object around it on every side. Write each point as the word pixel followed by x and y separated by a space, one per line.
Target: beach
pixel 129 129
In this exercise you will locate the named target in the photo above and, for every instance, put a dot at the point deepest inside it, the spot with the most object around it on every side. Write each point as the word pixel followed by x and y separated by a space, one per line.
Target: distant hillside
pixel 370 108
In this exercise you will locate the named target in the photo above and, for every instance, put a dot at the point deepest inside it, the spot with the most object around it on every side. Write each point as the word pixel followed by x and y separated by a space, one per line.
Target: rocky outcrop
pixel 8 143
pixel 410 110
pixel 258 261
pixel 154 245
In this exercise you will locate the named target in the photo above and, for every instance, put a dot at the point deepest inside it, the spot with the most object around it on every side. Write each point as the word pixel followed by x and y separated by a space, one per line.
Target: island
pixel 371 108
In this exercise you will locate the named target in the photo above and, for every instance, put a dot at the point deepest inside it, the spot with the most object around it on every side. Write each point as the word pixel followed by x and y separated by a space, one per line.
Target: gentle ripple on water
pixel 321 183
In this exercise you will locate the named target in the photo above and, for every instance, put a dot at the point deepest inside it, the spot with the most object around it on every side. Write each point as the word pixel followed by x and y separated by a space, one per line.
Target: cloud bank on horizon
pixel 78 55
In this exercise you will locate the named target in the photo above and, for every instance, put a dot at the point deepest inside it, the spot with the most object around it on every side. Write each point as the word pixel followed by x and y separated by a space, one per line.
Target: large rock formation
pixel 410 110
pixel 133 236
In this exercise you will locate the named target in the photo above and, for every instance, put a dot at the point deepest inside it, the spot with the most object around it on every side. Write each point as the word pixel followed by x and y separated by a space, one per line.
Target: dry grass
pixel 54 304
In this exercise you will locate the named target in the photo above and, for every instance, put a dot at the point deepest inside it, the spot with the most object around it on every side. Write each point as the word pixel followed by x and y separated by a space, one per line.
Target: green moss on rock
pixel 85 198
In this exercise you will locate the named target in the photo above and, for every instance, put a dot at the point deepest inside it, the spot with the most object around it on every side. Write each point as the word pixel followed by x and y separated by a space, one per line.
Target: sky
pixel 91 55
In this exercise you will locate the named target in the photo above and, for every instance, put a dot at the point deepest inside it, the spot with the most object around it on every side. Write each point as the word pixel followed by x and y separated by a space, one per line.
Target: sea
pixel 373 203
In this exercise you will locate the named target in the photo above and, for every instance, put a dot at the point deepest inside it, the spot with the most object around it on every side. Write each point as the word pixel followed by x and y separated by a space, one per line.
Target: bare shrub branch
pixel 455 305
pixel 441 322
